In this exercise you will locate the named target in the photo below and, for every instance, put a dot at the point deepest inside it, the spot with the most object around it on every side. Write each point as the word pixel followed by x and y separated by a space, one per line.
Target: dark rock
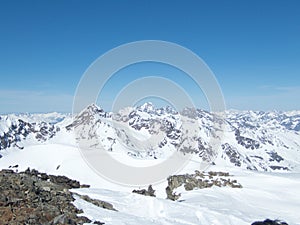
pixel 275 157
pixel 63 180
pixel 20 130
pixel 99 203
pixel 149 192
pixel 171 195
pixel 269 222
pixel 279 168
pixel 30 197
pixel 15 166
pixel 246 142
pixel 84 186
pixel 97 222
pixel 6 171
pixel 199 180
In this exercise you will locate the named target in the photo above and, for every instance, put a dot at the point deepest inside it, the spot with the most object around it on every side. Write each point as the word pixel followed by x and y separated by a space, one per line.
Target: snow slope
pixel 264 194
pixel 219 206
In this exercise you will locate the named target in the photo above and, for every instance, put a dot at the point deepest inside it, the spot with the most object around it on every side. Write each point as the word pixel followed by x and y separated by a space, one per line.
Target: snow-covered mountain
pixel 246 144
pixel 248 139
pixel 17 130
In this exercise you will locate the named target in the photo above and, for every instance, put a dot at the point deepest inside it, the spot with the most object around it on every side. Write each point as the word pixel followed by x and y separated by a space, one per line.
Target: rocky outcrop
pixel 149 192
pixel 96 202
pixel 199 180
pixel 270 222
pixel 31 197
pixel 248 143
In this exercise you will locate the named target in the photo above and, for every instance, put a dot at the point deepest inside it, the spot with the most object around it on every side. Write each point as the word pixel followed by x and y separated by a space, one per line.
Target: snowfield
pixel 264 194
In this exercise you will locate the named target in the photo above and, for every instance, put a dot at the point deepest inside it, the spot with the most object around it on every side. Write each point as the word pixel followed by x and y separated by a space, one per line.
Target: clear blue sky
pixel 253 47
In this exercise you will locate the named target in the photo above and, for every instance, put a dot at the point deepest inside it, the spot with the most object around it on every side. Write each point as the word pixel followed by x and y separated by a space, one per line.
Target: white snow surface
pixel 264 194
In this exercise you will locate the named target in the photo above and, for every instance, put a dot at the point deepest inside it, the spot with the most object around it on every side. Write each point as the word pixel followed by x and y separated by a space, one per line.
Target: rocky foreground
pixel 31 197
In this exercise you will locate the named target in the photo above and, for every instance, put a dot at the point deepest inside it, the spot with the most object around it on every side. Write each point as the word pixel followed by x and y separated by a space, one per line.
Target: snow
pixel 260 198
pixel 53 117
pixel 264 195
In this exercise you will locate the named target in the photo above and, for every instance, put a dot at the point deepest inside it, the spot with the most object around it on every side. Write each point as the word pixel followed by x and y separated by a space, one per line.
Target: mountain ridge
pixel 254 140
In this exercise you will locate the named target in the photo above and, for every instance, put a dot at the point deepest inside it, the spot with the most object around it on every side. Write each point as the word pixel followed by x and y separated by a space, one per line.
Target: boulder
pixel 149 192
pixel 269 222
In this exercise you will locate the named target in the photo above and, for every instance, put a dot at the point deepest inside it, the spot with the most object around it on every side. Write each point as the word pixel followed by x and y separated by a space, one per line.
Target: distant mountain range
pixel 254 140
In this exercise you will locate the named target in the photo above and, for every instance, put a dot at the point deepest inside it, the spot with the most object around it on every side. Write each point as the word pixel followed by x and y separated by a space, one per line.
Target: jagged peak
pixel 93 107
pixel 89 113
pixel 91 110
pixel 147 107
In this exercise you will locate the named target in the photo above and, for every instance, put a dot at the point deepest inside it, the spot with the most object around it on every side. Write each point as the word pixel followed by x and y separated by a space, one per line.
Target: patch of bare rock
pixel 31 197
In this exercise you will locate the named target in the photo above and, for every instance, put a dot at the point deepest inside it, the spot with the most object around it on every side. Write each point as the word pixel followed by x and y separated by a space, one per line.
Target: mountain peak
pixel 147 107
pixel 93 108
pixel 88 115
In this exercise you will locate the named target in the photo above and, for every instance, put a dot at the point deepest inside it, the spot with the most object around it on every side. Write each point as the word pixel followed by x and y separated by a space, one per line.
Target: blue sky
pixel 252 47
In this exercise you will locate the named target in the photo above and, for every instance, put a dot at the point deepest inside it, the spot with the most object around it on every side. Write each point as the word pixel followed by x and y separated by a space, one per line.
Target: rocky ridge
pixel 254 140
pixel 13 132
pixel 199 180
pixel 31 197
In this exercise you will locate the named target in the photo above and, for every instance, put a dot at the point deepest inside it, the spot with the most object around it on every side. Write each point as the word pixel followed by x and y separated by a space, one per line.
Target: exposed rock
pixel 233 154
pixel 270 222
pixel 149 192
pixel 60 180
pixel 275 157
pixel 199 180
pixel 32 197
pixel 246 142
pixel 99 203
pixel 279 168
pixel 172 196
pixel 15 166
pixel 20 130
